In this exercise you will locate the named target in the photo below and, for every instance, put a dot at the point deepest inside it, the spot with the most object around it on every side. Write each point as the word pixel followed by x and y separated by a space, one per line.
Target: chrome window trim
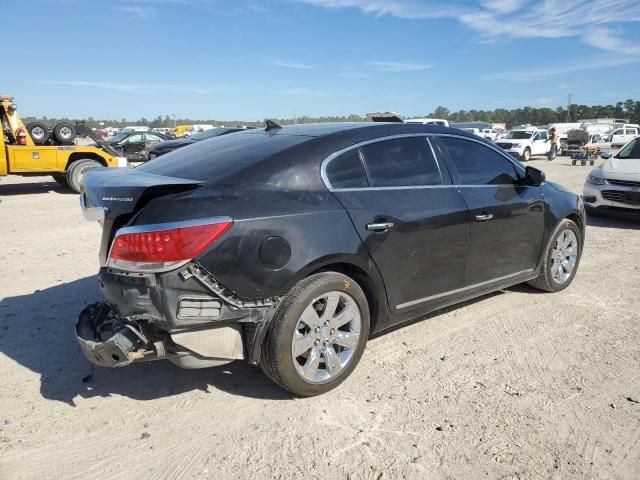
pixel 463 289
pixel 323 168
pixel 333 156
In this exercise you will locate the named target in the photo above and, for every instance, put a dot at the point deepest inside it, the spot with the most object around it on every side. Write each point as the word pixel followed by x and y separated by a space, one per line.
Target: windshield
pixel 631 150
pixel 118 138
pixel 213 132
pixel 519 135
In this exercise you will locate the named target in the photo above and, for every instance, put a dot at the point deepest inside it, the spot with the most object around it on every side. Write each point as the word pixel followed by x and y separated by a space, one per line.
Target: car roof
pixel 375 129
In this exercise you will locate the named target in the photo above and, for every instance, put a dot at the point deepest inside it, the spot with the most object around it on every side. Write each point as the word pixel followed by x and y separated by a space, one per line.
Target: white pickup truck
pixel 523 143
pixel 624 134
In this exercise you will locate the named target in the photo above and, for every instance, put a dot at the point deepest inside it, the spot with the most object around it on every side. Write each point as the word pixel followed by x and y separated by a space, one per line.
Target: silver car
pixel 614 186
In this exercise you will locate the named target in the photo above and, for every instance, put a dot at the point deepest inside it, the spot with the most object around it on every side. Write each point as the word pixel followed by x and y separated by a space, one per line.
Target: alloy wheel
pixel 564 256
pixel 326 337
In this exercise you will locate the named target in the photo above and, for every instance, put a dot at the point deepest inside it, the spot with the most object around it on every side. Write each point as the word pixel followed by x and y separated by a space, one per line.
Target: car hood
pixel 621 167
pixel 178 142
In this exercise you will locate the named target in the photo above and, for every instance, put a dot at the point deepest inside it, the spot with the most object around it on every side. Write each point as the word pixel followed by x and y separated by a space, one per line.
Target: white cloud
pixel 494 19
pixel 288 64
pixel 503 6
pixel 399 66
pixel 140 12
pixel 142 88
pixel 397 8
pixel 561 70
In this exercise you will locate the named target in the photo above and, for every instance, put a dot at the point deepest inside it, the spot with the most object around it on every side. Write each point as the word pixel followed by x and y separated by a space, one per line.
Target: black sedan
pixel 136 145
pixel 288 247
pixel 170 145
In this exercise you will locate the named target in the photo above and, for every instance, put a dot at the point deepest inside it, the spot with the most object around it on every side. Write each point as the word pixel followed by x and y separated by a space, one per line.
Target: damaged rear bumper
pixel 184 316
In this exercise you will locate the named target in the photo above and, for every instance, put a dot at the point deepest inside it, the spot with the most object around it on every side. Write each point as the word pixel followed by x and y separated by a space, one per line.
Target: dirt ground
pixel 515 385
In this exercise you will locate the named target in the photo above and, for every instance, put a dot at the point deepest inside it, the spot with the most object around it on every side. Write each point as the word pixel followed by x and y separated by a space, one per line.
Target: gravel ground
pixel 517 384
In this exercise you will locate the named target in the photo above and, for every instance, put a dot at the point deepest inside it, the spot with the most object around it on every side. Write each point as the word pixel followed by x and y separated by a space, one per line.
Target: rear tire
pixel 64 133
pixel 302 318
pixel 38 132
pixel 61 179
pixel 526 155
pixel 76 172
pixel 547 281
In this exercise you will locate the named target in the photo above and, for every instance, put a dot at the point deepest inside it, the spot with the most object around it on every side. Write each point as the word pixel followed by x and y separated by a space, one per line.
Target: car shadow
pixel 37 332
pixel 613 222
pixel 33 188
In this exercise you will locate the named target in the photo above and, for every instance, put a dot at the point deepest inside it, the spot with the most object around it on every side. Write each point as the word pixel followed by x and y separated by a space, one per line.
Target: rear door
pixel 540 143
pixel 411 219
pixel 506 217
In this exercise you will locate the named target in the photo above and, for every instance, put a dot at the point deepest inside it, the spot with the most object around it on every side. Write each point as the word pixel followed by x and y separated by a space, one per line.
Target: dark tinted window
pixel 346 171
pixel 477 164
pixel 401 162
pixel 220 157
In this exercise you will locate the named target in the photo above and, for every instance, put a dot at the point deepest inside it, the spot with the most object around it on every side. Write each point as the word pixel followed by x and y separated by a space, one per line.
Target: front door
pixel 133 147
pixel 506 217
pixel 411 219
pixel 541 144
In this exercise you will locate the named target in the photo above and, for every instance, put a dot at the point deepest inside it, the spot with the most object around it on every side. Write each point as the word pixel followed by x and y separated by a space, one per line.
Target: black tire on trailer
pixel 76 172
pixel 64 133
pixel 61 179
pixel 317 335
pixel 38 132
pixel 561 258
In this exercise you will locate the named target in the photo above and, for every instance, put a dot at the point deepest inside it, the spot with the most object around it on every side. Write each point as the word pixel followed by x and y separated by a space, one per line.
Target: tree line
pixel 629 109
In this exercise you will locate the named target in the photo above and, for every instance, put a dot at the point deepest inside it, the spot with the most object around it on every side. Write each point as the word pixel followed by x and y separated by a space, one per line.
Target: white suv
pixel 523 143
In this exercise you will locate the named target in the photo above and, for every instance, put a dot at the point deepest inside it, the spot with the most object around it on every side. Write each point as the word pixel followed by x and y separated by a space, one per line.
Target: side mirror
pixel 606 155
pixel 533 177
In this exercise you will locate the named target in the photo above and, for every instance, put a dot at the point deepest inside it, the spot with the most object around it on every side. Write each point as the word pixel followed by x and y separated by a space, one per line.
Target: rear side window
pixel 476 164
pixel 401 162
pixel 347 171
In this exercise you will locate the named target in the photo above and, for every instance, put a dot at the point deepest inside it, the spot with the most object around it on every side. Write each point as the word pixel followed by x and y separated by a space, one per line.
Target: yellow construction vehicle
pixel 37 150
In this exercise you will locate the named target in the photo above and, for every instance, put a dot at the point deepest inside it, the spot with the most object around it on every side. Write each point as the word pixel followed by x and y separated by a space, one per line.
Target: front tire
pixel 317 335
pixel 561 258
pixel 76 172
pixel 526 155
pixel 61 179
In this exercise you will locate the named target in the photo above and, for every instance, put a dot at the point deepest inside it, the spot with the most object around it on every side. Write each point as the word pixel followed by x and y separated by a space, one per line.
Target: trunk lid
pixel 113 196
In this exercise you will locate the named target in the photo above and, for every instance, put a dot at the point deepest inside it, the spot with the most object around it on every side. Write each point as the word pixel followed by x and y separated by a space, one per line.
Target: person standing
pixel 553 151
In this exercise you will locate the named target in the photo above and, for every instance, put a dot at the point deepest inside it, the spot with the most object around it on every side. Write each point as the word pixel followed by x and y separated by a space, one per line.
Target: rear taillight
pixel 163 247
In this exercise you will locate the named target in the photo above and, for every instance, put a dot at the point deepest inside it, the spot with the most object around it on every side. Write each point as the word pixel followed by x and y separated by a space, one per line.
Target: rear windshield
pixel 220 157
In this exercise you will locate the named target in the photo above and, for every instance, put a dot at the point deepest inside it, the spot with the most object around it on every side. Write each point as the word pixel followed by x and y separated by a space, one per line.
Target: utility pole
pixel 569 108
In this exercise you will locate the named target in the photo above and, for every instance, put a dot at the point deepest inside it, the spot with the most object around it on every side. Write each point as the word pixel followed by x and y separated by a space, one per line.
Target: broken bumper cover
pixel 184 316
pixel 105 339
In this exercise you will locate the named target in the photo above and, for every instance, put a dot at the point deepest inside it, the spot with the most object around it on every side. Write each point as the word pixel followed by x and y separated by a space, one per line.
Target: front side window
pixel 137 138
pixel 401 162
pixel 347 171
pixel 476 164
pixel 631 150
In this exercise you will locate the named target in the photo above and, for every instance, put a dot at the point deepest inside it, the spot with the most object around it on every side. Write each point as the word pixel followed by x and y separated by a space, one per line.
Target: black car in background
pixel 288 247
pixel 135 146
pixel 170 145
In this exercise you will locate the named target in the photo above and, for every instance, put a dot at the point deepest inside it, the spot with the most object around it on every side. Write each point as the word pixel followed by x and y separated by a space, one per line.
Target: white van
pixel 135 128
pixel 429 121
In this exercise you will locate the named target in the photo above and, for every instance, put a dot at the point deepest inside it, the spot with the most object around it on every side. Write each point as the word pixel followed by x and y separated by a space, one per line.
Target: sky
pixel 250 60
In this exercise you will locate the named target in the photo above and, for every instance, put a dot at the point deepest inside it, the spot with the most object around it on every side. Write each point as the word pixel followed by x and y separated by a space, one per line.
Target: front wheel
pixel 526 155
pixel 76 172
pixel 317 335
pixel 561 259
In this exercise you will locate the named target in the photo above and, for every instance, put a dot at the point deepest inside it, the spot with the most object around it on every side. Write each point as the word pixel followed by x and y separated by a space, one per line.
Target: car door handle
pixel 485 217
pixel 379 227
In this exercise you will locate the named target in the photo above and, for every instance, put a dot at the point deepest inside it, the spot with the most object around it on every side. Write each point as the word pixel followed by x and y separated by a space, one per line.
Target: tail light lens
pixel 159 248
